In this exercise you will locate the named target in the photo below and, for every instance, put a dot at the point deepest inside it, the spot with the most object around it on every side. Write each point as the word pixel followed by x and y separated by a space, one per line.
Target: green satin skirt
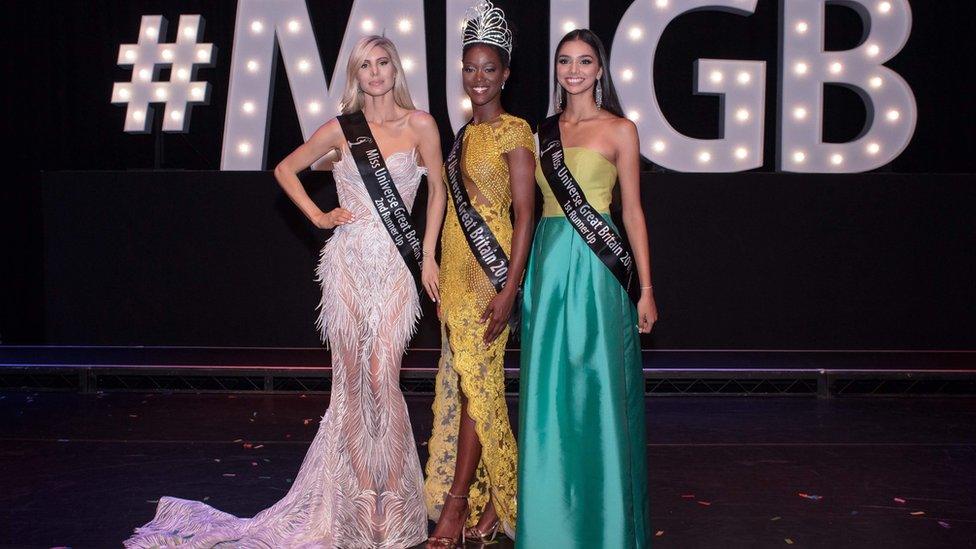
pixel 582 473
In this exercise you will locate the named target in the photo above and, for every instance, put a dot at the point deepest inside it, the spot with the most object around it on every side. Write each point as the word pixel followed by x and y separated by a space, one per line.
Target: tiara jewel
pixel 485 23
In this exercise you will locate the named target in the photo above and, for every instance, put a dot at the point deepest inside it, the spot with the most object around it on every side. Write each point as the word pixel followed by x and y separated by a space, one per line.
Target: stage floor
pixel 83 470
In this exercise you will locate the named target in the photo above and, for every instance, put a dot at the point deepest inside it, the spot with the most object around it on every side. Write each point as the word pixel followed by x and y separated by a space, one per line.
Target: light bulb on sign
pixel 293 26
pixel 569 26
pixel 203 55
pixel 661 3
pixel 167 54
pixel 466 104
pixel 189 32
pixel 873 148
pixel 836 68
pixel 884 7
pixel 257 27
pixel 196 92
pixel 802 27
pixel 407 64
pixel 183 74
pixel 304 65
pixel 799 157
pixel 161 94
pixel 176 115
pixel 367 25
pixel 744 78
pixel 405 25
pixel 741 153
pixel 658 146
pixel 633 116
pixel 836 159
pixel 145 75
pixel 800 113
pixel 716 77
pixel 627 75
pixel 873 50
pixel 152 32
pixel 635 33
pixel 124 93
pixel 252 66
pixel 130 55
pixel 138 116
pixel 875 82
pixel 314 107
pixel 244 147
pixel 248 107
pixel 893 115
pixel 704 157
pixel 800 68
pixel 742 115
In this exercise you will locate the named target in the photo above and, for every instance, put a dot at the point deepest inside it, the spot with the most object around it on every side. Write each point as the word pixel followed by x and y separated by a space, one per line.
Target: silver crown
pixel 485 24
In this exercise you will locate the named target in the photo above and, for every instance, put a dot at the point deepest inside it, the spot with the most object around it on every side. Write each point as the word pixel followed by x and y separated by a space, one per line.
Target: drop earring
pixel 559 99
pixel 599 95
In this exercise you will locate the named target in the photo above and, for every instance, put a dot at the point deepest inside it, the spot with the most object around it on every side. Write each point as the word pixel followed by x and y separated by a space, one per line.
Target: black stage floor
pixel 83 470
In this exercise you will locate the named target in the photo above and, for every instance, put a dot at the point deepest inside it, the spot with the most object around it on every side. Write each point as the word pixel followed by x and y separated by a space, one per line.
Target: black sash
pixel 382 190
pixel 599 235
pixel 481 240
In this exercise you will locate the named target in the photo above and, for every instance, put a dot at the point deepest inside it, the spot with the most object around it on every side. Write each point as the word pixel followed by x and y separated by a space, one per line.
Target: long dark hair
pixel 610 101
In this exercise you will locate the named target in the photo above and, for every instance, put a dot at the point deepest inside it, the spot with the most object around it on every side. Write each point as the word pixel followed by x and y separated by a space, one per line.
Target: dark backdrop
pixel 59 75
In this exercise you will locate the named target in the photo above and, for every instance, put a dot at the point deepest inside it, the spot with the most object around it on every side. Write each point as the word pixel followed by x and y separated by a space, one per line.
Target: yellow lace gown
pixel 465 293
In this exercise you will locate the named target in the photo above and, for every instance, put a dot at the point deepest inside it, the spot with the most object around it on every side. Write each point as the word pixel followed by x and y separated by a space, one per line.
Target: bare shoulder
pixel 331 127
pixel 620 131
pixel 421 121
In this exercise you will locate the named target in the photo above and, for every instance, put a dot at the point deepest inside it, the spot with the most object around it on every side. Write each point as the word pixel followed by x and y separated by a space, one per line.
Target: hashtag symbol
pixel 147 58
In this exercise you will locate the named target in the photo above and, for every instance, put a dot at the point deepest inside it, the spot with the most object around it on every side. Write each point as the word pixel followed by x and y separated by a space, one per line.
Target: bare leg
pixel 455 510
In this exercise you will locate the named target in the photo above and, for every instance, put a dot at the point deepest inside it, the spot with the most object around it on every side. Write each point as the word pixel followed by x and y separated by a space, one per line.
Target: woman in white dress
pixel 360 485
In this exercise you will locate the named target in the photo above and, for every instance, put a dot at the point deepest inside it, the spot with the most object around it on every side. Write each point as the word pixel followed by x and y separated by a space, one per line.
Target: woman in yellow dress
pixel 471 472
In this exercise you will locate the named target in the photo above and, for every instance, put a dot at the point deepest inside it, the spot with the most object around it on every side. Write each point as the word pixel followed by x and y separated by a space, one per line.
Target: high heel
pixel 483 538
pixel 450 543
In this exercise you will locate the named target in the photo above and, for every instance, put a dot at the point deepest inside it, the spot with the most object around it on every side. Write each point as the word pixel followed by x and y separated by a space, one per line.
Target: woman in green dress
pixel 582 479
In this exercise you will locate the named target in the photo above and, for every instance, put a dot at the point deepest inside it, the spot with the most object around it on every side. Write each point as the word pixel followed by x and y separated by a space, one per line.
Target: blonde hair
pixel 352 98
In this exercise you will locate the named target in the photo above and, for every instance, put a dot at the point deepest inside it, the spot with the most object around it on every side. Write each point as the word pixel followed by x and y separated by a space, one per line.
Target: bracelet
pixel 646 287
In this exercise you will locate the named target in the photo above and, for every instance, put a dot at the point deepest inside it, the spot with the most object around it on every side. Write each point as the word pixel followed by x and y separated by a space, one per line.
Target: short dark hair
pixel 502 54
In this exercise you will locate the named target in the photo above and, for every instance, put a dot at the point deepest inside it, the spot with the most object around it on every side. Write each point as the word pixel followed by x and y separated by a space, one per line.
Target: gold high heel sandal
pixel 482 538
pixel 451 543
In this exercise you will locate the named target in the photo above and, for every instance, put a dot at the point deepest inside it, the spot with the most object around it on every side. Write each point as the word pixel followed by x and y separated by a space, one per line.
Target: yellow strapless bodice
pixel 595 174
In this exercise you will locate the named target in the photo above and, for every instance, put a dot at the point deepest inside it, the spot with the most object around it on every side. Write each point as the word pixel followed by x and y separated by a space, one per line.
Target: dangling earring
pixel 599 95
pixel 559 99
pixel 503 85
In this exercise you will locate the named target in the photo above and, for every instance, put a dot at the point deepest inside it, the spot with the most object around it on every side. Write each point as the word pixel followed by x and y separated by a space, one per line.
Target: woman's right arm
pixel 323 142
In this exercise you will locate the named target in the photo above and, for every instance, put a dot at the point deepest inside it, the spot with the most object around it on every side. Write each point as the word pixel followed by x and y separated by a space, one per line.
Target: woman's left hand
pixel 646 312
pixel 497 314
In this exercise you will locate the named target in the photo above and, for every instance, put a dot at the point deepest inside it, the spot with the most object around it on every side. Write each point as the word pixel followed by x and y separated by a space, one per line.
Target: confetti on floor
pixel 659 533
pixel 917 513
pixel 899 500
pixel 259 446
pixel 775 518
pixel 230 475
pixel 811 497
pixel 944 524
pixel 788 541
pixel 688 496
pixel 705 503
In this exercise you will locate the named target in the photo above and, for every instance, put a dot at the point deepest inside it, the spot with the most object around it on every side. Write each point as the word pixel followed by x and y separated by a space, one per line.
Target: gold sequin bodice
pixel 485 173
